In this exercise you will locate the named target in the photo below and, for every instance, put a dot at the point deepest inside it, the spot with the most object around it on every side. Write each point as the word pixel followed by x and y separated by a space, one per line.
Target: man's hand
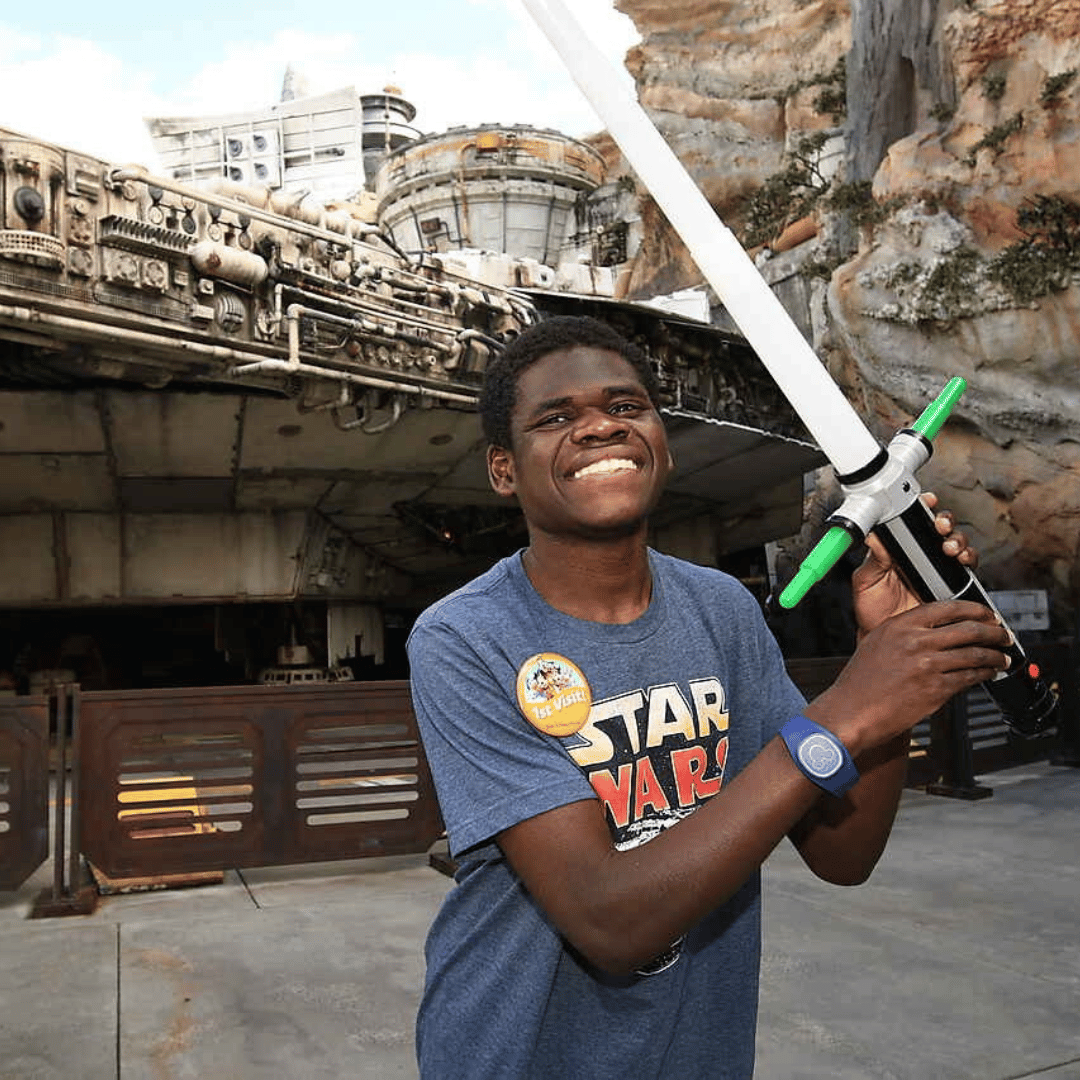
pixel 908 667
pixel 878 589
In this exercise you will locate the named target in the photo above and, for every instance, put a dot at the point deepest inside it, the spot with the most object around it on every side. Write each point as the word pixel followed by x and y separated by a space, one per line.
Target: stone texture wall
pixel 960 114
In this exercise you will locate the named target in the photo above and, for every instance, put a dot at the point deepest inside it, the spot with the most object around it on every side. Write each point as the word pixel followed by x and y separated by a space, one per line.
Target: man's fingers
pixel 981 661
pixel 944 522
pixel 963 635
pixel 877 563
pixel 946 612
pixel 966 639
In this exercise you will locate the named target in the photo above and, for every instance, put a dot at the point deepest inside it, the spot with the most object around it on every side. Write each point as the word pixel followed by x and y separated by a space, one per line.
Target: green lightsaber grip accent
pixel 937 412
pixel 816 565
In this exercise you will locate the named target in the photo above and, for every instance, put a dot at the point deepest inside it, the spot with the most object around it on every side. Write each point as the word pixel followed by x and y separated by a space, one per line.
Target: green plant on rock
pixel 904 274
pixel 788 195
pixel 1029 271
pixel 1045 260
pixel 939 293
pixel 833 96
pixel 995 137
pixel 832 99
pixel 857 201
pixel 793 192
pixel 1056 85
pixel 993 87
pixel 950 284
pixel 1051 221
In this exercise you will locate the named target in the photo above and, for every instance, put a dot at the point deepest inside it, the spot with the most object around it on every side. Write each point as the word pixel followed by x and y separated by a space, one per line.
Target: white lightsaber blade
pixel 768 328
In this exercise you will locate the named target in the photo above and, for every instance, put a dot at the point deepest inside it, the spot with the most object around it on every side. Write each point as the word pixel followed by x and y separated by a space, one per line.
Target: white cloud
pixel 88 96
pixel 249 74
pixel 74 92
pixel 519 96
pixel 609 30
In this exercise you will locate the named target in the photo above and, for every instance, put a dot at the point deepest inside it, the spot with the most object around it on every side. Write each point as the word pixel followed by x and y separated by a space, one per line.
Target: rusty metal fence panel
pixel 187 780
pixel 24 788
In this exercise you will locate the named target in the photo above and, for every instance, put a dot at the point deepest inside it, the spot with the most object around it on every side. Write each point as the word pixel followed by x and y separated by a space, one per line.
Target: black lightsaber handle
pixel 1027 703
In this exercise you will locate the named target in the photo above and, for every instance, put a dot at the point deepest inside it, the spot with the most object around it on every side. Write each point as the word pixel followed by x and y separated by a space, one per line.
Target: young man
pixel 609 732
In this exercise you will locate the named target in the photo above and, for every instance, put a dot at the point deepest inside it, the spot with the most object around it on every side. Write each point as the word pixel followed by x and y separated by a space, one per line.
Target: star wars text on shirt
pixel 654 754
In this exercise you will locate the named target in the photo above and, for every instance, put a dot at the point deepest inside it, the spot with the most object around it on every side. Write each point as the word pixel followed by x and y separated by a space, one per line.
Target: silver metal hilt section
pixel 889 489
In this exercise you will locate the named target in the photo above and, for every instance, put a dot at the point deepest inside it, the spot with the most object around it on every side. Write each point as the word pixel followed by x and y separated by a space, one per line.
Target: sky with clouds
pixel 86 76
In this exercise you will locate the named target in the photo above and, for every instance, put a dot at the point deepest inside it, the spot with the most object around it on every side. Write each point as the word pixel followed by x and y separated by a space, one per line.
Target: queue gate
pixel 24 787
pixel 179 781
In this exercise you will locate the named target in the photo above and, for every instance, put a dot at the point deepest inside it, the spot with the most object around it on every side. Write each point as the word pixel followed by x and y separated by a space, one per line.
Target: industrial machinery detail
pixel 225 397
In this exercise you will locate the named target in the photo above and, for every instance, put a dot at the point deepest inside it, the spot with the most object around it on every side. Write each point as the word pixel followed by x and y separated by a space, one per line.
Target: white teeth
pixel 605 467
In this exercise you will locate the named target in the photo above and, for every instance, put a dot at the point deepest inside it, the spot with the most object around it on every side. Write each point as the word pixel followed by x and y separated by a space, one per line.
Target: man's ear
pixel 500 463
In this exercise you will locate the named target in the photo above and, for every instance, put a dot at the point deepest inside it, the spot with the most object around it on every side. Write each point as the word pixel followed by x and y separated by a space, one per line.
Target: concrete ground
pixel 960 960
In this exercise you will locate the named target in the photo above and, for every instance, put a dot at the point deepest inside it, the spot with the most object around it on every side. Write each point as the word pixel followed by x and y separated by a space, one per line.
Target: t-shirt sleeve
pixel 491 768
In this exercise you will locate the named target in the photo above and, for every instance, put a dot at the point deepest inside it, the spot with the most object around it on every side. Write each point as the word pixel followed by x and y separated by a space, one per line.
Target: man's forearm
pixel 841 840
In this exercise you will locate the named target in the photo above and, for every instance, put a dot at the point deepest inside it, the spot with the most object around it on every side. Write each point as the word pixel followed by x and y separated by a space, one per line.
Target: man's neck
pixel 604 581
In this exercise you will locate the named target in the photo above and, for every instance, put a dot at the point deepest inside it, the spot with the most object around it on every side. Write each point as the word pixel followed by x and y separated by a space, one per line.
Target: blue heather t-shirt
pixel 681 700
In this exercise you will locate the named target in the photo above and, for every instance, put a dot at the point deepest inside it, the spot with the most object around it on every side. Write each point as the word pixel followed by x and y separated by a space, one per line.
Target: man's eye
pixel 554 418
pixel 627 406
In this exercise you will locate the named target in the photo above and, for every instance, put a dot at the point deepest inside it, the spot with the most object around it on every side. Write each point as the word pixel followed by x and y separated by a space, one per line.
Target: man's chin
pixel 618 529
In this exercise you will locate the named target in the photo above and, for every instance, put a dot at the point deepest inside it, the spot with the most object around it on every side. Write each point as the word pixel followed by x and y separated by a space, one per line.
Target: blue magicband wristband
pixel 820 755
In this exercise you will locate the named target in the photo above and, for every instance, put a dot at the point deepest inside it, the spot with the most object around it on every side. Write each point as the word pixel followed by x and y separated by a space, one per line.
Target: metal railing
pixel 171 782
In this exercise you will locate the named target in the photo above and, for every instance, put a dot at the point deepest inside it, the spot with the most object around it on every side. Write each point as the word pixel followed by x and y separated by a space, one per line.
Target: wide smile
pixel 605 467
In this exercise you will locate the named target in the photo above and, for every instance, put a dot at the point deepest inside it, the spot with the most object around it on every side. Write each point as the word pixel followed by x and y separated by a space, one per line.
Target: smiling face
pixel 590 454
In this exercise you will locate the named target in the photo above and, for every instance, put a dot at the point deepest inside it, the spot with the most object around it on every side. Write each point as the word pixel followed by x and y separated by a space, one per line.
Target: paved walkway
pixel 960 960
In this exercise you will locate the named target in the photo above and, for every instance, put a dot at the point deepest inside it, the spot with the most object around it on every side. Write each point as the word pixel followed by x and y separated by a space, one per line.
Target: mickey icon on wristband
pixel 820 755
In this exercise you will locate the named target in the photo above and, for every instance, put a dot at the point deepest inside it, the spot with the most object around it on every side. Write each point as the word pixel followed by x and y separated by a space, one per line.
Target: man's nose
pixel 598 425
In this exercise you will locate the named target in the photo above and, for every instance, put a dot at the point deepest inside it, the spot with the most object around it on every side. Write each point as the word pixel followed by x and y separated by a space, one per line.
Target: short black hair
pixel 539 340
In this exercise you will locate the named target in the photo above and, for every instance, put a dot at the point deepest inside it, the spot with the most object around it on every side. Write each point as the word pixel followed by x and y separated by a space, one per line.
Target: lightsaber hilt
pixel 879 490
pixel 884 498
pixel 1026 702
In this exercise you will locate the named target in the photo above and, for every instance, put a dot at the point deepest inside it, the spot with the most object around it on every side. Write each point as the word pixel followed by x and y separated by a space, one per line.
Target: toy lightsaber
pixel 879 484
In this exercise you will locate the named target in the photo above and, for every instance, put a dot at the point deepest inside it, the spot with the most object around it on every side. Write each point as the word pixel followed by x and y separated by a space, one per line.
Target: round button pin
pixel 553 694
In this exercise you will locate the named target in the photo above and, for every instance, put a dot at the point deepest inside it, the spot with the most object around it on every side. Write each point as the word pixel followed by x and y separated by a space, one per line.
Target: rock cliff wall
pixel 907 173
